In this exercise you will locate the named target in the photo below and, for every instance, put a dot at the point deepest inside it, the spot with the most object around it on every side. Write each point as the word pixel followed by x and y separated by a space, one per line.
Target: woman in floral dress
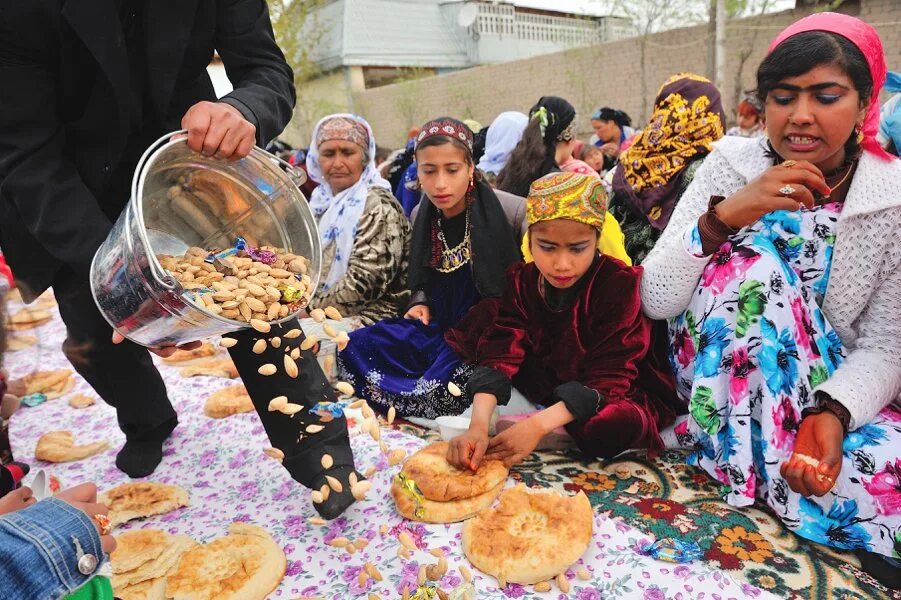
pixel 780 272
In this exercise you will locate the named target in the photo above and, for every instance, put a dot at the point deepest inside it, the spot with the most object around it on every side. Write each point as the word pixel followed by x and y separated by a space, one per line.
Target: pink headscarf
pixel 868 42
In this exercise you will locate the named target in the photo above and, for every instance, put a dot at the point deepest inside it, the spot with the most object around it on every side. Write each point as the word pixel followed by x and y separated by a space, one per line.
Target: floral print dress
pixel 748 352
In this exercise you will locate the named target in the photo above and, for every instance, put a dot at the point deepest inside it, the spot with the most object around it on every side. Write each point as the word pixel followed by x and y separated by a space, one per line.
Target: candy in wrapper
pixel 424 592
pixel 240 244
pixel 409 487
pixel 673 550
pixel 32 400
pixel 460 592
pixel 336 409
pixel 54 483
pixel 264 256
pixel 290 293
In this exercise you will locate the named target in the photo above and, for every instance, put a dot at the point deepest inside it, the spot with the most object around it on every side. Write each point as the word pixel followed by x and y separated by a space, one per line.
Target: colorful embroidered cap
pixel 446 126
pixel 345 129
pixel 567 195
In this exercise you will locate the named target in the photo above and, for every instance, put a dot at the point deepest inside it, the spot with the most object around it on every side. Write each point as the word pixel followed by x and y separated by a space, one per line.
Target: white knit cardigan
pixel 863 299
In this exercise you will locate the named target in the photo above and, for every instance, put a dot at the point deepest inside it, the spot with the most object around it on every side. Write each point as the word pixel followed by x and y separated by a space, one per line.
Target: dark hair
pixel 381 153
pixel 441 140
pixel 526 162
pixel 612 114
pixel 805 51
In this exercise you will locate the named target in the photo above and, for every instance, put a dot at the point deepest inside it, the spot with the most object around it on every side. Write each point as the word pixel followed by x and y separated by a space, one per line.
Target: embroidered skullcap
pixel 342 128
pixel 447 127
pixel 567 195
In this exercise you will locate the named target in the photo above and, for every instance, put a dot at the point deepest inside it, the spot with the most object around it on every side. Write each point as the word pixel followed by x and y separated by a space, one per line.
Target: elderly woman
pixel 365 235
pixel 652 174
pixel 781 272
pixel 503 135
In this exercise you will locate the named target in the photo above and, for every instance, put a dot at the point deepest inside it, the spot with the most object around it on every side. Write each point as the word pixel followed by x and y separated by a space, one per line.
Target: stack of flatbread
pixel 142 560
pixel 431 490
pixel 52 384
pixel 28 318
pixel 227 402
pixel 531 536
pixel 139 499
pixel 20 342
pixel 59 446
pixel 214 367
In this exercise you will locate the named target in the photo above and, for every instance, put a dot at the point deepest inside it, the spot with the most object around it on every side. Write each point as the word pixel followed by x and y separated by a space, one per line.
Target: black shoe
pixel 142 453
pixel 883 569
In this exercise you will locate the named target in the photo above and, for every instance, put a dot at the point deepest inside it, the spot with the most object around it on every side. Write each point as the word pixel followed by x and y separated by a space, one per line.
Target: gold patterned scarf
pixel 567 195
pixel 688 117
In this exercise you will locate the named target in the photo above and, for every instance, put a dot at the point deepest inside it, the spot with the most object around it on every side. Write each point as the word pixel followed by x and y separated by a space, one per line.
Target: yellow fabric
pixel 612 242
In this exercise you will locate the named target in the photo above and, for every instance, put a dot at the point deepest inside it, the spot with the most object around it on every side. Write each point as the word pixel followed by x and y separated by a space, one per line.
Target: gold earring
pixel 860 135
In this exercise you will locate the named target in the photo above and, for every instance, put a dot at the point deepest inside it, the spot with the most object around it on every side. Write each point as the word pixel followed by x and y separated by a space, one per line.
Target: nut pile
pixel 260 284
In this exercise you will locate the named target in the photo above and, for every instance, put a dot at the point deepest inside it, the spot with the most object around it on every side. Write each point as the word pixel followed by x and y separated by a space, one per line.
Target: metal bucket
pixel 252 198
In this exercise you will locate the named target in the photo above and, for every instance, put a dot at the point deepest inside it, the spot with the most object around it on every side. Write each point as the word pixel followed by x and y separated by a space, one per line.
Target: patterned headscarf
pixel 867 40
pixel 570 196
pixel 338 214
pixel 447 127
pixel 688 117
pixel 342 128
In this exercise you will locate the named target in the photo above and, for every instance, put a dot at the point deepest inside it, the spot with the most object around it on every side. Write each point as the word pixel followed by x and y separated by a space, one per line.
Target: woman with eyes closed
pixel 364 232
pixel 569 333
pixel 463 241
pixel 780 272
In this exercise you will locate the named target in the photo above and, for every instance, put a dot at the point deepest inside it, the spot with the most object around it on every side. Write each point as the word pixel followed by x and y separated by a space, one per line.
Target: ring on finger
pixel 789 163
pixel 787 190
pixel 103 524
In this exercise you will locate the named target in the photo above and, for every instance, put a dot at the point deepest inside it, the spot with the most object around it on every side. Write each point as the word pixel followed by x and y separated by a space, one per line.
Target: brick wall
pixel 606 74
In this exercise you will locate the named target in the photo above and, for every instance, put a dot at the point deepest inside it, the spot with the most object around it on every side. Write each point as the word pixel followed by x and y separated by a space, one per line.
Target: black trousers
pixel 303 452
pixel 126 378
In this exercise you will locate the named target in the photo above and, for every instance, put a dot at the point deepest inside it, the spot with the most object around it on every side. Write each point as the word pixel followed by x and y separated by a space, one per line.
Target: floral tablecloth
pixel 221 464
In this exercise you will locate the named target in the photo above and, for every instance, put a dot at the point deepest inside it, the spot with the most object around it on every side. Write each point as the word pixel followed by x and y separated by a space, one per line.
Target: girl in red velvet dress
pixel 570 335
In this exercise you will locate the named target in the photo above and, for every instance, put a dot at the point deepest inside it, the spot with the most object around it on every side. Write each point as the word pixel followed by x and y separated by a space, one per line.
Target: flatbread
pixel 28 318
pixel 219 367
pixel 175 546
pixel 152 589
pixel 134 548
pixel 14 295
pixel 183 357
pixel 438 480
pixel 531 536
pixel 227 402
pixel 59 446
pixel 20 342
pixel 52 384
pixel 81 401
pixel 139 499
pixel 247 564
pixel 442 512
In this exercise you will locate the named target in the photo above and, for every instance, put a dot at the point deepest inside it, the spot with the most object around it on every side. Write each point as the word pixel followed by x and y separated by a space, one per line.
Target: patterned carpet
pixel 665 497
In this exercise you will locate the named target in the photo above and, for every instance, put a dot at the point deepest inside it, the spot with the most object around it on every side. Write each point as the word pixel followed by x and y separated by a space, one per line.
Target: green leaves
pixel 751 303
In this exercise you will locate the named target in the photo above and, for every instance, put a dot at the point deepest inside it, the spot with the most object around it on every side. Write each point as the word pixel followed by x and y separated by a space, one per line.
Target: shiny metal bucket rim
pixel 160 275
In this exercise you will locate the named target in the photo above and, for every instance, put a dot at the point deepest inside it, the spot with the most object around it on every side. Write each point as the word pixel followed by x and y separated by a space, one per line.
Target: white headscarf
pixel 338 214
pixel 503 135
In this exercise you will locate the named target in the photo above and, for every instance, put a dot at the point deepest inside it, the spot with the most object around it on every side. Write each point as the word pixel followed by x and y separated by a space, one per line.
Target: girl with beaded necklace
pixel 463 243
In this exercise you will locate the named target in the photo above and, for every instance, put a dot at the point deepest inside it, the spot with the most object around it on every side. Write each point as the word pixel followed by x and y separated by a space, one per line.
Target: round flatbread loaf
pixel 452 511
pixel 214 367
pixel 227 402
pixel 530 536
pixel 182 357
pixel 438 480
pixel 134 548
pixel 246 564
pixel 138 499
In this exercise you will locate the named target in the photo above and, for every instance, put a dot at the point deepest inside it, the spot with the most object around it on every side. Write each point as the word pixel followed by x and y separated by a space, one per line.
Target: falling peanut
pixel 290 409
pixel 360 489
pixel 309 342
pixel 275 453
pixel 392 414
pixel 267 369
pixel 228 342
pixel 259 347
pixel 332 313
pixel 318 315
pixel 334 484
pixel 291 367
pixel 314 428
pixel 294 333
pixel 276 342
pixel 344 388
pixel 261 326
pixel 327 461
pixel 454 389
pixel 542 586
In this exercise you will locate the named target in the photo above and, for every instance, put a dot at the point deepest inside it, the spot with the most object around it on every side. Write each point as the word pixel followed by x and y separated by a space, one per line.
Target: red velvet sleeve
pixel 621 335
pixel 494 333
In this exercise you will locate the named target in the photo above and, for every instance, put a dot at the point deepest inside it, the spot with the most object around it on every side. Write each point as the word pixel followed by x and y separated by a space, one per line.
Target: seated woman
pixel 570 334
pixel 365 235
pixel 546 145
pixel 750 118
pixel 503 135
pixel 781 272
pixel 463 242
pixel 652 174
pixel 612 132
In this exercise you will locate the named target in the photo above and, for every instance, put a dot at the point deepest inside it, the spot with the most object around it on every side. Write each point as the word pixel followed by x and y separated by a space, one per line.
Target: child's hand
pixel 514 444
pixel 466 451
pixel 16 500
